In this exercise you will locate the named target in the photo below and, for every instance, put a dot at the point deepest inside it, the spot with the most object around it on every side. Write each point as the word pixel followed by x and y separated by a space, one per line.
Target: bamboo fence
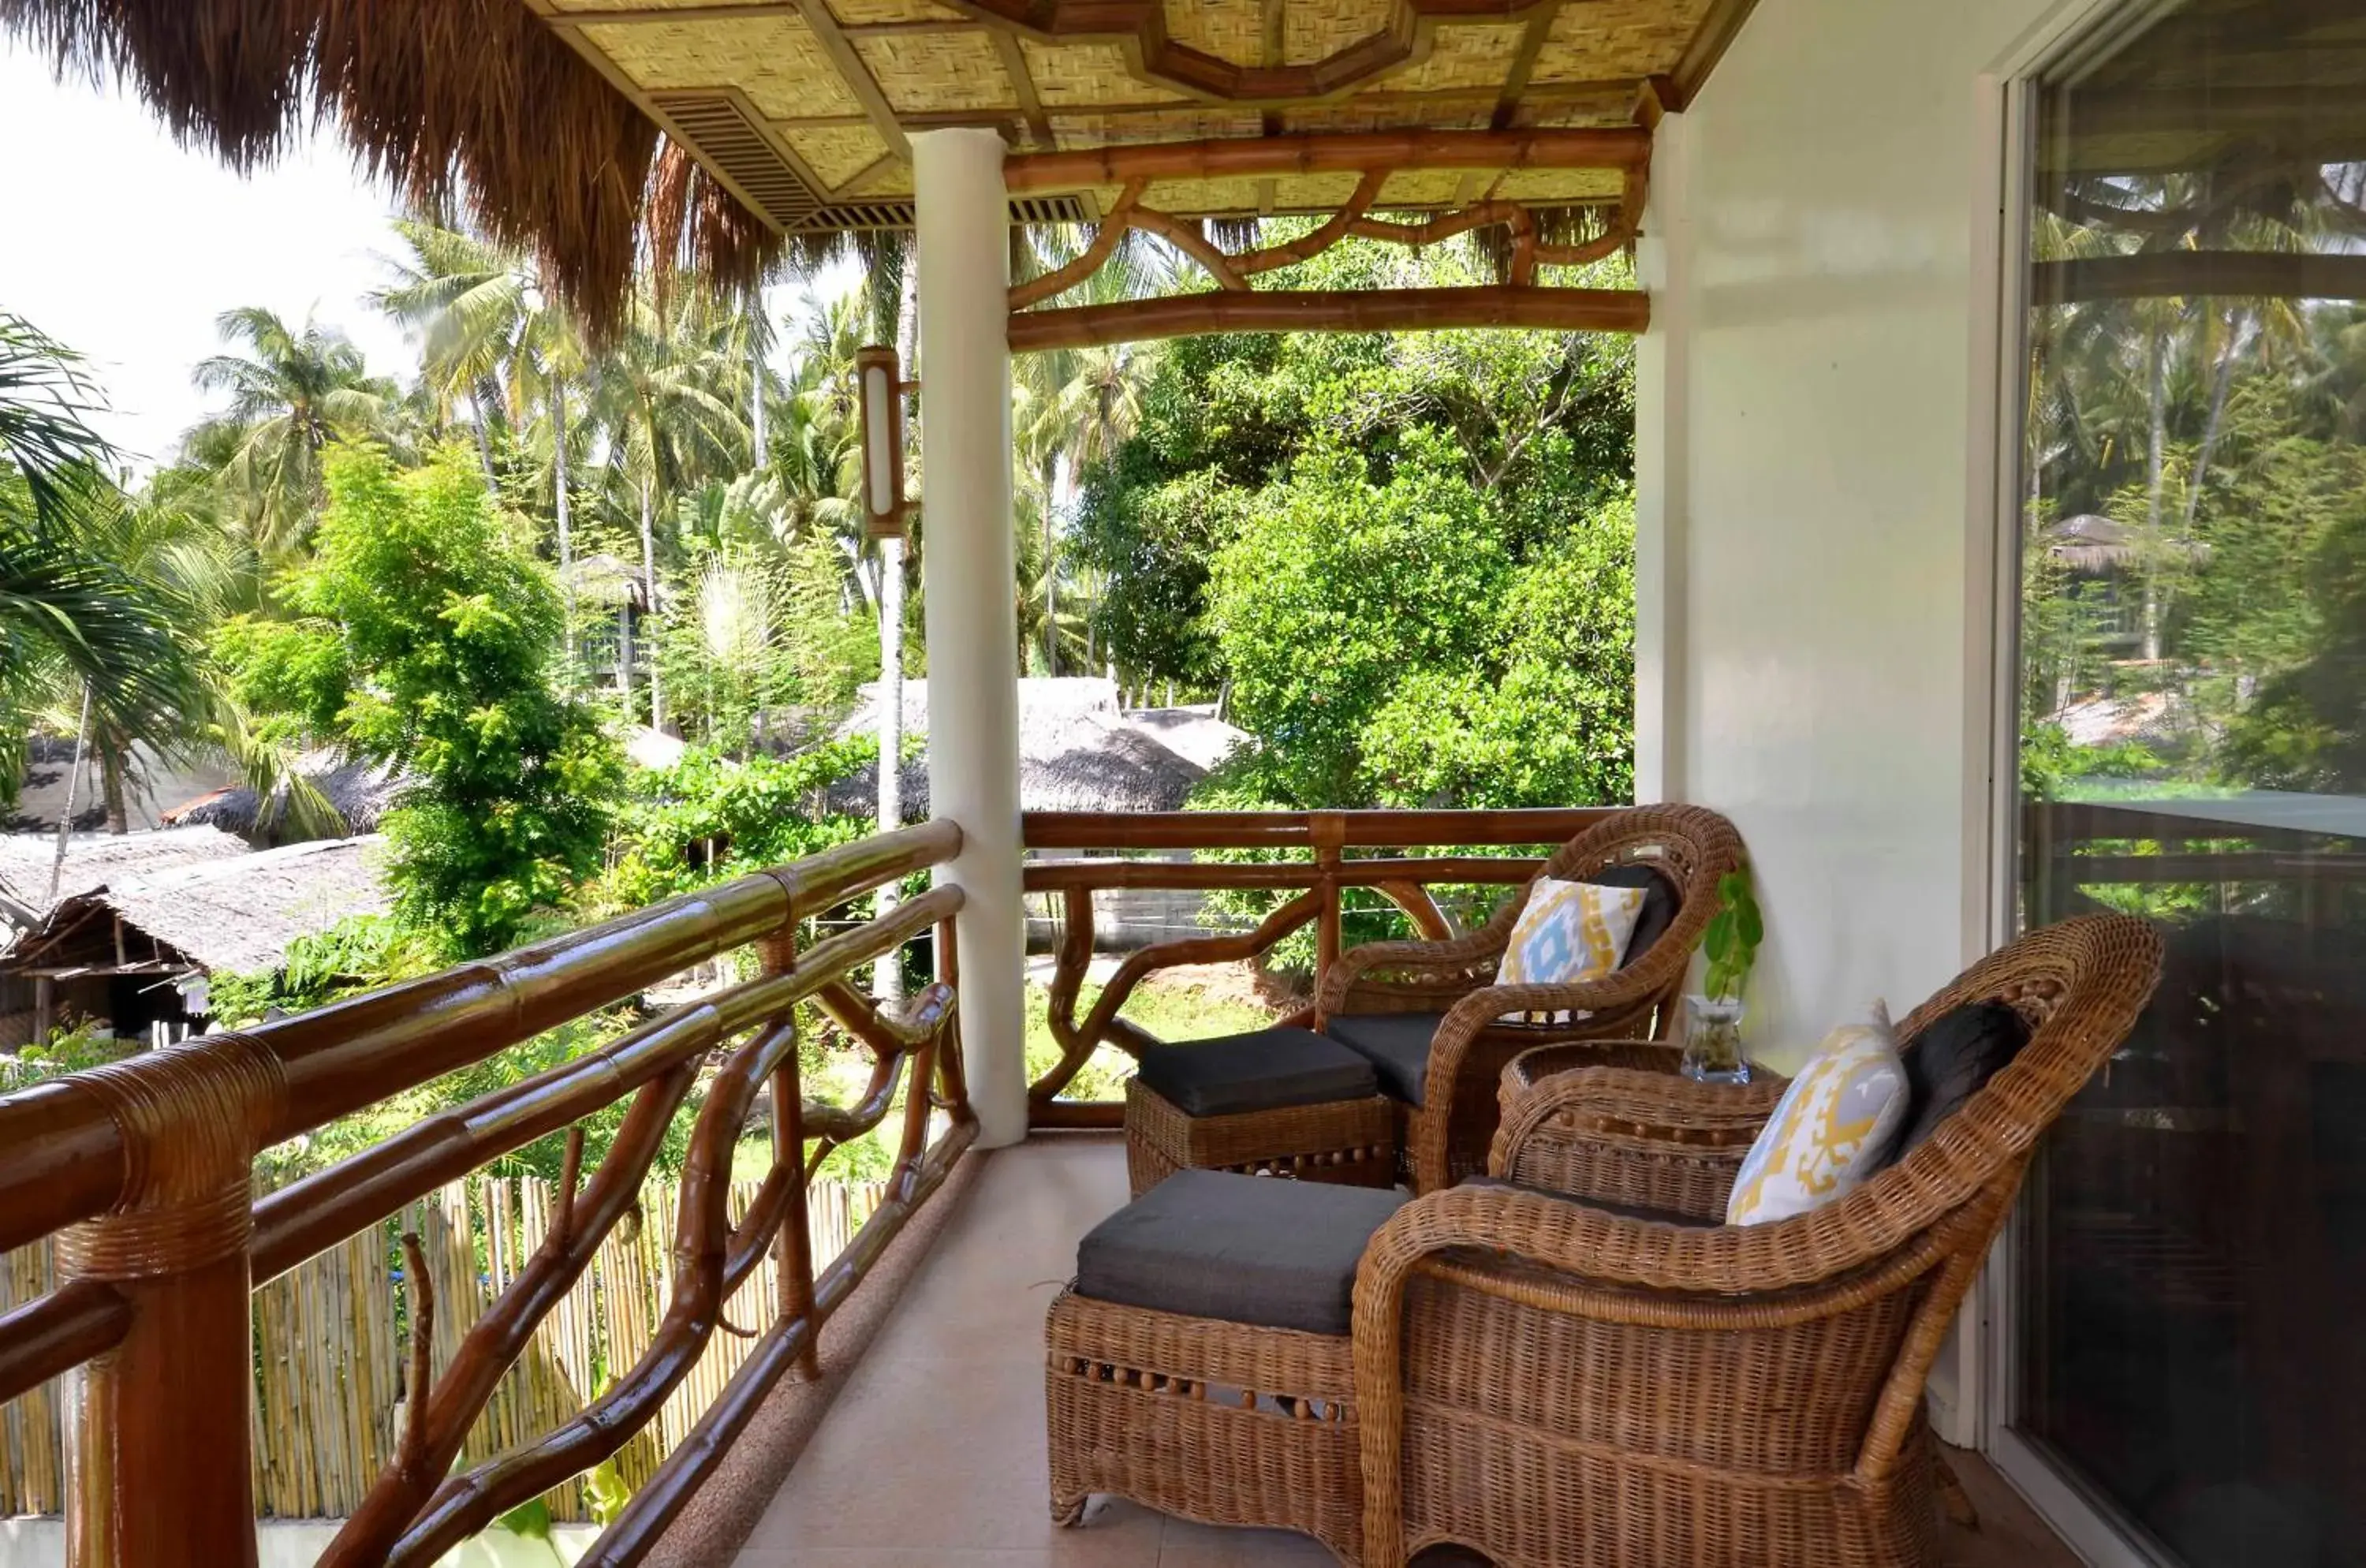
pixel 330 1339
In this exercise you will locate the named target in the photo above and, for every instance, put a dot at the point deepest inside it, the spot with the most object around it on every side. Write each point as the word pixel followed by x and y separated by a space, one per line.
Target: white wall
pixel 1815 448
pixel 1812 572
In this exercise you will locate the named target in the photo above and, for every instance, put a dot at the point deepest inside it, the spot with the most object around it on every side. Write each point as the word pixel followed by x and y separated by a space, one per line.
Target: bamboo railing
pixel 141 1170
pixel 1399 854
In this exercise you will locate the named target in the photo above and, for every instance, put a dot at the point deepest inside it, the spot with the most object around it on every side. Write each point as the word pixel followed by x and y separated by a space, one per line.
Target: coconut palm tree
pixel 292 390
pixel 665 396
pixel 77 629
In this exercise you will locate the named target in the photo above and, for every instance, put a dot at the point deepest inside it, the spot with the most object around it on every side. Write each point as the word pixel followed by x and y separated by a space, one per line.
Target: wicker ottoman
pixel 1273 1102
pixel 1243 1419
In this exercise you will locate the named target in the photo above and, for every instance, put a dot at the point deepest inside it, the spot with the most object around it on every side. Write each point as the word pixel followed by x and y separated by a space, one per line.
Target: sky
pixel 126 247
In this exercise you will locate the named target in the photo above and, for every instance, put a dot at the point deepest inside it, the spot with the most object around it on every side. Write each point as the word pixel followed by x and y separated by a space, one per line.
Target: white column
pixel 967 572
pixel 1662 460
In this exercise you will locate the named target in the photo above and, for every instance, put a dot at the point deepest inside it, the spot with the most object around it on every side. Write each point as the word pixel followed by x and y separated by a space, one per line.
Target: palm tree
pixel 488 335
pixel 1077 406
pixel 665 398
pixel 76 628
pixel 292 391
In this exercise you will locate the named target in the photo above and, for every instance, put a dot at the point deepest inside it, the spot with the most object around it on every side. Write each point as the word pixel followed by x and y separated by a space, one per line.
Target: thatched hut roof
pixel 2093 544
pixel 1077 752
pixel 232 914
pixel 94 860
pixel 361 793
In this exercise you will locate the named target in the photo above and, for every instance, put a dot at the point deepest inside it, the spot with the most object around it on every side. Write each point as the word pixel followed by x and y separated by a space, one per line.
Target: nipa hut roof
pixel 235 914
pixel 94 860
pixel 360 792
pixel 1077 752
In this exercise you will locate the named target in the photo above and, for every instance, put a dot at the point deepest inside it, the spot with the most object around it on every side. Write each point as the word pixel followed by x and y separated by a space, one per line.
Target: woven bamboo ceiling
pixel 803 108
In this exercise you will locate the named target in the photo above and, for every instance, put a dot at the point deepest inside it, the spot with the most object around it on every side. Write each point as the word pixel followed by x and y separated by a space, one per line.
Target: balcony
pixel 857 1402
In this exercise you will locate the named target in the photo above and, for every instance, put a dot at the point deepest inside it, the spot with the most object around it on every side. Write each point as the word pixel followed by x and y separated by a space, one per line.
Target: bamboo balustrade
pixel 140 1170
pixel 1401 860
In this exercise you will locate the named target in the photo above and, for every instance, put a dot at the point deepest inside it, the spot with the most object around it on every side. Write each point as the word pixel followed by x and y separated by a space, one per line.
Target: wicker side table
pixel 1279 1102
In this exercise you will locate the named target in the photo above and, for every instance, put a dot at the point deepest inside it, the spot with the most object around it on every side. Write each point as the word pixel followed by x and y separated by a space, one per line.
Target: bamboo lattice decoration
pixel 1520 300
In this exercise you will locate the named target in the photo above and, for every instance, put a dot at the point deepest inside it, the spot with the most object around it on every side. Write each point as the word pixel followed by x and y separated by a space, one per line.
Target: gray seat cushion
pixel 1244 1248
pixel 1396 1043
pixel 1953 1060
pixel 1263 1071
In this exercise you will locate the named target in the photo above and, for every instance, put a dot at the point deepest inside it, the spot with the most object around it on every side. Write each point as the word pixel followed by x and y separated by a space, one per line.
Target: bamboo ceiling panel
pixel 1314 30
pixel 865 13
pixel 1596 41
pixel 1377 113
pixel 1231 31
pixel 934 72
pixel 776 61
pixel 1090 76
pixel 836 153
pixel 1464 57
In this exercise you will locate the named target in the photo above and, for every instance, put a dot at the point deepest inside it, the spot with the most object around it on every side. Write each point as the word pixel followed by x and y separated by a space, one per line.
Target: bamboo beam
pixel 1618 147
pixel 1188 235
pixel 1373 311
pixel 1061 279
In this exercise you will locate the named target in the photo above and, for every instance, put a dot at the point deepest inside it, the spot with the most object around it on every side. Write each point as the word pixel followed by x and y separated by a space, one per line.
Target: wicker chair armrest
pixel 1612 1250
pixel 1380 956
pixel 1619 1135
pixel 1464 1022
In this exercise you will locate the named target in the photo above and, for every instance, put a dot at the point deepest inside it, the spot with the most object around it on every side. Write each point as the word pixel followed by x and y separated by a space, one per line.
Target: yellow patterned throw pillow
pixel 1830 1130
pixel 1567 931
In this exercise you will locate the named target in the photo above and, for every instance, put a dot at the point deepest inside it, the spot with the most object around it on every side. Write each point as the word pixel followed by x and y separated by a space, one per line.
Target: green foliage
pixel 1730 944
pixel 65 1051
pixel 1409 558
pixel 425 634
pixel 707 817
pixel 1337 591
pixel 357 954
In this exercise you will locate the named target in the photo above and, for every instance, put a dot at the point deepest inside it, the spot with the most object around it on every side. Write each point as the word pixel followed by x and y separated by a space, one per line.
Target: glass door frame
pixel 2005 122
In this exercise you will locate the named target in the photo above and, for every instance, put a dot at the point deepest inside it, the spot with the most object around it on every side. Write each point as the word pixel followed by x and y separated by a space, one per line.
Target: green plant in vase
pixel 1713 1019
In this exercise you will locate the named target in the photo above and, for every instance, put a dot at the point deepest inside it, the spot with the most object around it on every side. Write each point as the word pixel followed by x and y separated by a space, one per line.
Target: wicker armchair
pixel 1445 1134
pixel 1549 1383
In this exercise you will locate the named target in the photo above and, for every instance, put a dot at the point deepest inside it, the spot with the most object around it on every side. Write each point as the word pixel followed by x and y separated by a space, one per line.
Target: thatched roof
pixel 94 860
pixel 235 914
pixel 2093 543
pixel 1077 752
pixel 473 106
pixel 1196 732
pixel 360 792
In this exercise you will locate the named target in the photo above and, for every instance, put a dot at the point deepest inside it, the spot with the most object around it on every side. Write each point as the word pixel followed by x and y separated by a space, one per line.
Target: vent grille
pixel 720 133
pixel 897 213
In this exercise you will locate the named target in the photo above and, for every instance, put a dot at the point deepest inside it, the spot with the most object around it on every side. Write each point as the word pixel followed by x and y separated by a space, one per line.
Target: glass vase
pixel 1713 1041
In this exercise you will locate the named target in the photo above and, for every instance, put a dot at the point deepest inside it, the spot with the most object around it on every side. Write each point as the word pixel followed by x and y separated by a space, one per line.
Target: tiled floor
pixel 933 1455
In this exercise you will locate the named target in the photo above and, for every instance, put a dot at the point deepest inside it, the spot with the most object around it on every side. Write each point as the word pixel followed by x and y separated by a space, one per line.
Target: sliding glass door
pixel 2191 1265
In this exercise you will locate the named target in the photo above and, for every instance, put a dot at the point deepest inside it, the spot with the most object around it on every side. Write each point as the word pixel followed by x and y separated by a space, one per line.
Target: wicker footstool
pixel 1199 1364
pixel 1273 1102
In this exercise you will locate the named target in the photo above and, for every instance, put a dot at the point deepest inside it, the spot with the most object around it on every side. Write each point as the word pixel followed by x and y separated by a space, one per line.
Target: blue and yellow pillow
pixel 1567 931
pixel 1832 1130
